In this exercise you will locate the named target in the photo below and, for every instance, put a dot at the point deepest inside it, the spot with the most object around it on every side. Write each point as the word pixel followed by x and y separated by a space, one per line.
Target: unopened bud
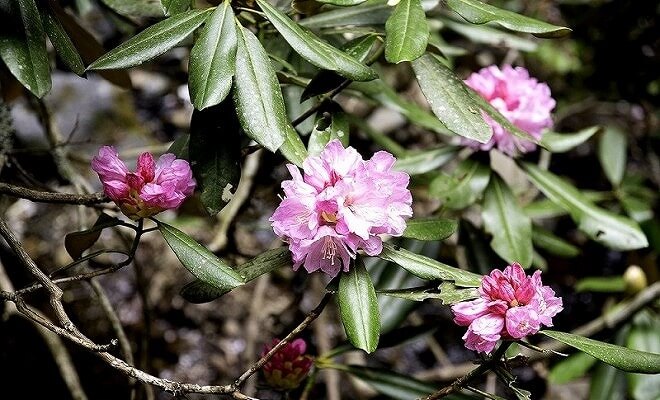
pixel 635 279
pixel 289 366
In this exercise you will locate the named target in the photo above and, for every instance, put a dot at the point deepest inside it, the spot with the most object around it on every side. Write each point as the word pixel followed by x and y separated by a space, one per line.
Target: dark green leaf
pixel 268 261
pixel 477 12
pixel 23 45
pixel 623 358
pixel 203 264
pixel 480 256
pixel 328 127
pixel 358 307
pixel 179 147
pixel 420 162
pixel 491 36
pixel 505 220
pixel 389 383
pixel 607 383
pixel 293 149
pixel 136 8
pixel 151 42
pixel 606 284
pixel 450 100
pixel 427 268
pixel 494 113
pixel 612 149
pixel 407 33
pixel 257 95
pixel 213 59
pixel 611 230
pixel 372 12
pixel 432 228
pixel 342 3
pixel 644 337
pixel 77 242
pixel 553 244
pixel 562 142
pixel 545 208
pixel 172 7
pixel 464 187
pixel 215 154
pixel 571 368
pixel 63 44
pixel 315 50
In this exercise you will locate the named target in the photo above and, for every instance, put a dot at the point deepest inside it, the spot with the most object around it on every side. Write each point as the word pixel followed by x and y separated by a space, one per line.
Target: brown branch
pixel 52 197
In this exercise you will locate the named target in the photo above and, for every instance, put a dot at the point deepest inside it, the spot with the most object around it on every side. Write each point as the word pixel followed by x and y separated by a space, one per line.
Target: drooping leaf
pixel 644 336
pixel 563 142
pixel 389 383
pixel 414 163
pixel 315 50
pixel 490 36
pixel 326 80
pixel 495 114
pixel 620 357
pixel 553 244
pixel 432 228
pixel 464 187
pixel 257 95
pixel 358 307
pixel 76 243
pixel 605 284
pixel 171 7
pixel 63 44
pixel 197 259
pixel 151 42
pixel 505 220
pixel 477 12
pixel 136 8
pixel 23 45
pixel 614 231
pixel 407 32
pixel 450 100
pixel 612 149
pixel 546 208
pixel 213 59
pixel 293 149
pixel 215 154
pixel 200 292
pixel 428 268
pixel 372 12
pixel 573 367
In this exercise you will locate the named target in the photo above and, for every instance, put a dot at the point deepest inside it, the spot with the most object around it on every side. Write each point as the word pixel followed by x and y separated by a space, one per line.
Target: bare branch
pixel 52 197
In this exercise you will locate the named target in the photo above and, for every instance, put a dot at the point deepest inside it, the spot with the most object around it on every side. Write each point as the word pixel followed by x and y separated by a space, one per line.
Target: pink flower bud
pixel 152 188
pixel 512 305
pixel 521 99
pixel 289 366
pixel 339 205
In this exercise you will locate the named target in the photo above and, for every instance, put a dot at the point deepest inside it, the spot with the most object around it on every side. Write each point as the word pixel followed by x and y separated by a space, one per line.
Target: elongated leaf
pixel 257 96
pixel 464 187
pixel 491 36
pixel 450 100
pixel 428 268
pixel 213 59
pixel 63 44
pixel 432 228
pixel 563 142
pixel 203 264
pixel 407 33
pixel 612 149
pixel 76 243
pixel 215 154
pixel 372 12
pixel 328 127
pixel 505 220
pixel 23 45
pixel 151 42
pixel 607 383
pixel 644 337
pixel 293 149
pixel 315 50
pixel 604 284
pixel 342 3
pixel 494 113
pixel 477 12
pixel 136 8
pixel 623 358
pixel 613 231
pixel 426 160
pixel 548 241
pixel 358 308
pixel 448 294
pixel 200 292
pixel 172 7
pixel 571 368
pixel 389 383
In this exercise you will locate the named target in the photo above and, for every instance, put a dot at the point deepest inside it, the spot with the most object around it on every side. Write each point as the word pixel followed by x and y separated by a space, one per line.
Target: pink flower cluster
pixel 512 305
pixel 289 366
pixel 524 101
pixel 152 188
pixel 341 204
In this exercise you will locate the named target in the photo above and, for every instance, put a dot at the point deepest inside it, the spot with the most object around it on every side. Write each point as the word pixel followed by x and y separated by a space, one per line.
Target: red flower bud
pixel 289 366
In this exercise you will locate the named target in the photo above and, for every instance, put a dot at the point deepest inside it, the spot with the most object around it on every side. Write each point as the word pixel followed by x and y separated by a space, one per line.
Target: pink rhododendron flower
pixel 340 204
pixel 289 366
pixel 521 99
pixel 152 188
pixel 512 305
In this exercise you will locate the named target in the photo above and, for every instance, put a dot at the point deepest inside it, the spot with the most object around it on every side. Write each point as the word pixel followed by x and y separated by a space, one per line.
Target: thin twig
pixel 52 197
